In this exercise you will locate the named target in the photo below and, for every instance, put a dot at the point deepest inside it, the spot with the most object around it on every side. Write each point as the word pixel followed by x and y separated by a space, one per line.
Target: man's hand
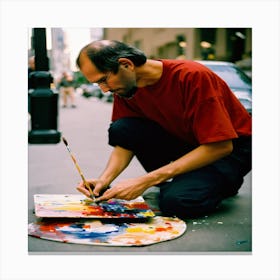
pixel 118 161
pixel 127 189
pixel 98 187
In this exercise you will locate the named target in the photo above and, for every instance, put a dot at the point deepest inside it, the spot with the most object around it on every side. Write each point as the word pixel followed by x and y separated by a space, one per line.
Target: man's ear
pixel 126 63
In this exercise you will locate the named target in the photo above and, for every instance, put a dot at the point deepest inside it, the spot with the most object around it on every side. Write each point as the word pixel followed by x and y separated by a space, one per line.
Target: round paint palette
pixel 96 232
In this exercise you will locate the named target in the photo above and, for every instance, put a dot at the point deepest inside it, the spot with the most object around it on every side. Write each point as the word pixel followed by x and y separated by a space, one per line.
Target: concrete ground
pixel 51 171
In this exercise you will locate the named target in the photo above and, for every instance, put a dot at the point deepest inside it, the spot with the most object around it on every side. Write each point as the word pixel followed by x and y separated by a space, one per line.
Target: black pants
pixel 191 194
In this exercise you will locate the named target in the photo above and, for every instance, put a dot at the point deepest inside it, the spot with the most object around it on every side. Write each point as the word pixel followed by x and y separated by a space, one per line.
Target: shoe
pixel 73 106
pixel 64 106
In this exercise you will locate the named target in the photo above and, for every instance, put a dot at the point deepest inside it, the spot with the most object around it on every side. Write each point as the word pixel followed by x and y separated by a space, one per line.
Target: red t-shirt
pixel 189 101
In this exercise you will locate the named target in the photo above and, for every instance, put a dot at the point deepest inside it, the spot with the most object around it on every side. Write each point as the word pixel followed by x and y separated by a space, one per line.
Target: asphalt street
pixel 51 171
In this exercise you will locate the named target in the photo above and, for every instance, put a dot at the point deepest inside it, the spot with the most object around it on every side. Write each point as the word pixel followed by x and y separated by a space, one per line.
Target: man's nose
pixel 104 88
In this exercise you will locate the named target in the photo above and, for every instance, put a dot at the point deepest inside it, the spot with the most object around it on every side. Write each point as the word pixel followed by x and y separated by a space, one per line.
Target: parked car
pixel 237 80
pixel 91 90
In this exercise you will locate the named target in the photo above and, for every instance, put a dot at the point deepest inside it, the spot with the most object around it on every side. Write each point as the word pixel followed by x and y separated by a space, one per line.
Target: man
pixel 181 121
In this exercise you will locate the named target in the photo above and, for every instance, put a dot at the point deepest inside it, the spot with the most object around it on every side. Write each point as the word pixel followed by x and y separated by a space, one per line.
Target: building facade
pixel 59 54
pixel 229 44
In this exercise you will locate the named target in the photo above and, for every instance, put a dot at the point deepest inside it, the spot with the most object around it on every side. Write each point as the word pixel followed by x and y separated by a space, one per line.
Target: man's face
pixel 123 83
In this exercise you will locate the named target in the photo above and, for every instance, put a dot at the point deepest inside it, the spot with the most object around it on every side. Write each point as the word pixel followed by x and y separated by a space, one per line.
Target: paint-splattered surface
pixel 95 232
pixel 76 206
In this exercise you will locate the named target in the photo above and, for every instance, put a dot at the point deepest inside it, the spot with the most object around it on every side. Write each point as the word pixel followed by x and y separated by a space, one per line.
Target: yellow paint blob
pixel 134 229
pixel 148 214
pixel 141 229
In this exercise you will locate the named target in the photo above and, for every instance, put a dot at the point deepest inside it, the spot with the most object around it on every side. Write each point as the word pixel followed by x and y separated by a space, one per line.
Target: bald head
pixel 105 55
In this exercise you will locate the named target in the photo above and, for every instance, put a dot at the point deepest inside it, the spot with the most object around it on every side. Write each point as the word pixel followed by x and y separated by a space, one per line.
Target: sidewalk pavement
pixel 51 171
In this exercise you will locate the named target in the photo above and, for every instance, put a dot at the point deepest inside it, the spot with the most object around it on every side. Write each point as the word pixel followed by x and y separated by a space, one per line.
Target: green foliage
pixel 80 78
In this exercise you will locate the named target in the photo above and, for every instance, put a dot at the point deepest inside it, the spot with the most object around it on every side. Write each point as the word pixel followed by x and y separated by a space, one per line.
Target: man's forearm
pixel 199 157
pixel 118 161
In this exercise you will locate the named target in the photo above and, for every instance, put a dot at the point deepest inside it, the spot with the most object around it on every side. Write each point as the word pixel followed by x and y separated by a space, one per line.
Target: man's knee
pixel 122 133
pixel 134 133
pixel 118 126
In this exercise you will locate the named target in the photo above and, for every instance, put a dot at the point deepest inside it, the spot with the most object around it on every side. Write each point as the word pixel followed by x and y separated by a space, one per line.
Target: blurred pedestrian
pixel 66 86
pixel 182 122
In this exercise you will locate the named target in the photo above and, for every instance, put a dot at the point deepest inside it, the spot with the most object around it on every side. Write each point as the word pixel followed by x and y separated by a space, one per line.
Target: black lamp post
pixel 43 100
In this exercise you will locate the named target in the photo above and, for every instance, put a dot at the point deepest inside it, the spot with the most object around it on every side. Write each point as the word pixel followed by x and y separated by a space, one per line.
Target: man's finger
pixel 100 198
pixel 100 192
pixel 83 191
pixel 105 196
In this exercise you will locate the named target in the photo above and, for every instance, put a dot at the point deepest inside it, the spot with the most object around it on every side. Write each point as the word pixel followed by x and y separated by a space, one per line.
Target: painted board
pixel 76 206
pixel 96 232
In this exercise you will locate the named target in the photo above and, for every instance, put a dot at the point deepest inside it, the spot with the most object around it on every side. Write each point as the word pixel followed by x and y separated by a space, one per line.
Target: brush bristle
pixel 64 141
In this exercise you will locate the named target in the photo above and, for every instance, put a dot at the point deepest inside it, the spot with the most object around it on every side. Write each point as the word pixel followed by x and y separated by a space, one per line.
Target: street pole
pixel 43 100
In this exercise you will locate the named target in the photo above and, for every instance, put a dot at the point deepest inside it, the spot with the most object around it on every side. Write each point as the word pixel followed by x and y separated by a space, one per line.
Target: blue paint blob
pixel 78 231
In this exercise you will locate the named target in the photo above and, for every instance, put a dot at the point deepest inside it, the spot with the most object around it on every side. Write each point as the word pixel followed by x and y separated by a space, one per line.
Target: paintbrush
pixel 79 169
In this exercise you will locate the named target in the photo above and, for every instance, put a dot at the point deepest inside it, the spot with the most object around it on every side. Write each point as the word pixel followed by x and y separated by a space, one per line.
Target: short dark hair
pixel 105 54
